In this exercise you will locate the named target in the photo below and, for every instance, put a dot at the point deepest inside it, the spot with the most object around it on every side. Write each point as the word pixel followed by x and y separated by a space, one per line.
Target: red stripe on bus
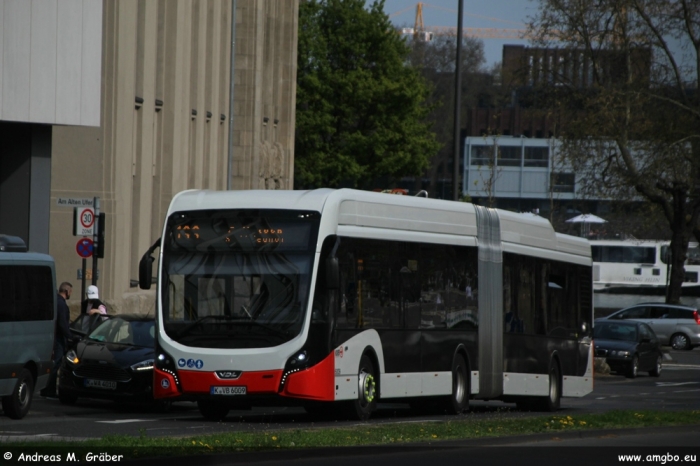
pixel 258 382
pixel 164 385
pixel 314 383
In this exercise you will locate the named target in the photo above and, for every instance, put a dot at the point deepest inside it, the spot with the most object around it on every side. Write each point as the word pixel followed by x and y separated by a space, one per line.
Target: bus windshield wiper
pixel 255 323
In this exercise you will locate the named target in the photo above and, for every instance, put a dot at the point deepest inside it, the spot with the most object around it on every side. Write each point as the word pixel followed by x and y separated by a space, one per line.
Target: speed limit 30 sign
pixel 84 221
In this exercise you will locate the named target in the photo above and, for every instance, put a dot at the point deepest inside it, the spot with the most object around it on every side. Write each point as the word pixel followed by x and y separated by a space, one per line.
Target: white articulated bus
pixel 343 298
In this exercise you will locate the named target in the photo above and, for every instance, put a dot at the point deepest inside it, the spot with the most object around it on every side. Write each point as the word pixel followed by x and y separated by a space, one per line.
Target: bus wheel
pixel 212 411
pixel 552 401
pixel 458 402
pixel 366 401
pixel 16 405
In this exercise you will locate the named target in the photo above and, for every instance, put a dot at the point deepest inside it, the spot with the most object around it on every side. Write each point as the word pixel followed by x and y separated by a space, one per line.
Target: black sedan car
pixel 113 361
pixel 628 347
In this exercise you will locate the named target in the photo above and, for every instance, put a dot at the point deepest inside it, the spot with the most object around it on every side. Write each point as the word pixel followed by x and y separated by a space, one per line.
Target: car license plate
pixel 104 384
pixel 227 391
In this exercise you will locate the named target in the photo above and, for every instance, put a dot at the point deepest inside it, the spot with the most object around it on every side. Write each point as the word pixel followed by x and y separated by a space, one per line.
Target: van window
pixel 26 293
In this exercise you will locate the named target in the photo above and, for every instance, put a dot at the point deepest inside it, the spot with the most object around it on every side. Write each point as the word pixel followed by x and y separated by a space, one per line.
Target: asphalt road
pixel 677 388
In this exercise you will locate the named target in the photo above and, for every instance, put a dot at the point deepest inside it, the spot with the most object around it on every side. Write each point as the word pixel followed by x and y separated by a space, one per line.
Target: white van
pixel 27 321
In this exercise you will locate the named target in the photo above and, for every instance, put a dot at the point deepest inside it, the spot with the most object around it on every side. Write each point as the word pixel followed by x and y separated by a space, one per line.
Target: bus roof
pixel 380 210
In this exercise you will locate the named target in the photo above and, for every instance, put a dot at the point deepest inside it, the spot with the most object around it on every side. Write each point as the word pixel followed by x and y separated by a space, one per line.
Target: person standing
pixel 62 337
pixel 93 305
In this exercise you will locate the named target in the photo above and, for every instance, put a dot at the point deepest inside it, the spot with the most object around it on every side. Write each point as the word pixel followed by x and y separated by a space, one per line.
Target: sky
pixel 497 14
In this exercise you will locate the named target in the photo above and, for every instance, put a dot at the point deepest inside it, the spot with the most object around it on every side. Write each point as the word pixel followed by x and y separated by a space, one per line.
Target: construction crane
pixel 426 34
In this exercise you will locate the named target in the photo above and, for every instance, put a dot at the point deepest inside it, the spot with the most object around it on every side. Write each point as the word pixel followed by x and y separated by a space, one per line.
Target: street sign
pixel 84 247
pixel 84 221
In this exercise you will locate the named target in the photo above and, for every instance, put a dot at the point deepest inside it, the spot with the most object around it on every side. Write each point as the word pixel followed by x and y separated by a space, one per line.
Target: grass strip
pixel 463 427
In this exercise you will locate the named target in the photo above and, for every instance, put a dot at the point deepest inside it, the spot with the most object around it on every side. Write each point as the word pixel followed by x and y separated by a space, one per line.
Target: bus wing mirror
pixel 146 267
pixel 146 272
pixel 332 273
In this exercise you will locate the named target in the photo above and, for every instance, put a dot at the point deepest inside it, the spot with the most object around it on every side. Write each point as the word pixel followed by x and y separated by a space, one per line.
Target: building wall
pixel 50 61
pixel 165 124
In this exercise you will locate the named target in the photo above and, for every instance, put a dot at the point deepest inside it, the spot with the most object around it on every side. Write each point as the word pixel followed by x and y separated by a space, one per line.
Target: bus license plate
pixel 104 384
pixel 227 391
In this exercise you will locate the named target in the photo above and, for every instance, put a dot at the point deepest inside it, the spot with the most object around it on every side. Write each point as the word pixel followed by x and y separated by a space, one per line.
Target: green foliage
pixel 361 111
pixel 459 428
pixel 629 116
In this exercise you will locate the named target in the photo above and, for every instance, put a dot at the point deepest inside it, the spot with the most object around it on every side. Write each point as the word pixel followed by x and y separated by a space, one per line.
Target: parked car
pixel 113 361
pixel 674 325
pixel 628 347
pixel 84 324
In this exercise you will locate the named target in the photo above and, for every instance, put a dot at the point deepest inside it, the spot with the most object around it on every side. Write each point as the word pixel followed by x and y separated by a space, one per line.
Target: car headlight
pixel 620 354
pixel 146 365
pixel 72 357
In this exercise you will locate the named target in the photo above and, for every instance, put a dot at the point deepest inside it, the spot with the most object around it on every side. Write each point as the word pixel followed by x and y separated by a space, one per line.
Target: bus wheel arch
pixel 364 405
pixel 458 400
pixel 552 401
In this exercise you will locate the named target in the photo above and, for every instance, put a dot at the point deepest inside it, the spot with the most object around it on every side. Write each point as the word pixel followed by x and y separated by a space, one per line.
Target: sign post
pixel 84 221
pixel 96 238
pixel 84 248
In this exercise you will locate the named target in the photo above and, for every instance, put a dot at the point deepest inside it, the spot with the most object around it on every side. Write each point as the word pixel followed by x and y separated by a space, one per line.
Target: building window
pixel 537 157
pixel 482 156
pixel 509 156
pixel 562 182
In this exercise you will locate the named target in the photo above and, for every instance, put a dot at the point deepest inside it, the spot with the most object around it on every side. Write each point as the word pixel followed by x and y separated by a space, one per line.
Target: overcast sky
pixel 496 14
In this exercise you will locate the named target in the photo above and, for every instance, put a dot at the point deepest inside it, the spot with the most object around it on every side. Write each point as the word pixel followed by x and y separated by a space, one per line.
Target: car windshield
pixel 126 332
pixel 237 278
pixel 607 331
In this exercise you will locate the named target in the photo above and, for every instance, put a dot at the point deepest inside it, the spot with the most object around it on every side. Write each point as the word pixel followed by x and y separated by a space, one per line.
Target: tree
pixel 436 61
pixel 628 104
pixel 361 108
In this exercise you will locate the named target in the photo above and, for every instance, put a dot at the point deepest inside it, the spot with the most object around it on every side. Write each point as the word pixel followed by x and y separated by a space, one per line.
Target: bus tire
pixel 212 411
pixel 366 402
pixel 458 401
pixel 552 401
pixel 16 405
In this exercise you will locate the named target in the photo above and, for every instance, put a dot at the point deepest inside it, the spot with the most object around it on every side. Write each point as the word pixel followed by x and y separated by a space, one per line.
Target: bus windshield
pixel 237 278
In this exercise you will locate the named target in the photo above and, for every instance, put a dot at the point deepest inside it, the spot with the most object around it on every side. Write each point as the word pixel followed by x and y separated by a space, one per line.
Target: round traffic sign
pixel 84 247
pixel 87 217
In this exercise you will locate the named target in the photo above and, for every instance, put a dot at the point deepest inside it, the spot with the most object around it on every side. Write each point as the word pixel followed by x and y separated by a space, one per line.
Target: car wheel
pixel 657 370
pixel 366 402
pixel 458 401
pixel 552 401
pixel 212 411
pixel 680 342
pixel 16 405
pixel 634 367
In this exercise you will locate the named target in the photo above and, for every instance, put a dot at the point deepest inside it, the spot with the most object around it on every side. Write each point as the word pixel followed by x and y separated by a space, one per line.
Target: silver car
pixel 674 325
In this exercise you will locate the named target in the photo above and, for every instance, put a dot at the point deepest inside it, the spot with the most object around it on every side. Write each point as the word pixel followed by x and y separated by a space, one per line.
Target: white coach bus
pixel 640 267
pixel 338 299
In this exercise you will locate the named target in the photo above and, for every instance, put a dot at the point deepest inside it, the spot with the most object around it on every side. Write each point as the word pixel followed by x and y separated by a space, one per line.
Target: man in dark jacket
pixel 62 338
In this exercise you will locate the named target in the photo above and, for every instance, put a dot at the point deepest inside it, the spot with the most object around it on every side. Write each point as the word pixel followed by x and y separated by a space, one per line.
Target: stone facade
pixel 165 125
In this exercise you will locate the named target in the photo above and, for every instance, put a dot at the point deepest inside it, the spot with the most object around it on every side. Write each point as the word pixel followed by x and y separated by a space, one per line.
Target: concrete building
pixel 50 58
pixel 167 119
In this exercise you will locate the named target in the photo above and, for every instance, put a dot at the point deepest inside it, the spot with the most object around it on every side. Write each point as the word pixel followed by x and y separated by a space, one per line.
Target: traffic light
pixel 100 247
